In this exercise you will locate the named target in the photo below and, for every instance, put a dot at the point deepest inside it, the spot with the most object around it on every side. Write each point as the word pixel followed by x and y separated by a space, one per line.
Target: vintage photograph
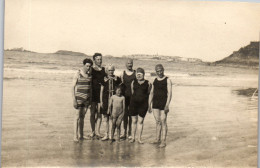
pixel 159 83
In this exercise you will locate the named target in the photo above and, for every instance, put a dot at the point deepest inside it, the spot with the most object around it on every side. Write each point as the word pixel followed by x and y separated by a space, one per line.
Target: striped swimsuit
pixel 83 90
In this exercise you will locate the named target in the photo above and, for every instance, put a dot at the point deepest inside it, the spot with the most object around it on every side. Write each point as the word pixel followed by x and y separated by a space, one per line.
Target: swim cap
pixel 159 66
pixel 140 70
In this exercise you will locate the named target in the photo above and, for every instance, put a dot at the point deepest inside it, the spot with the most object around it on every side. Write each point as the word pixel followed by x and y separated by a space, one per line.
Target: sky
pixel 195 29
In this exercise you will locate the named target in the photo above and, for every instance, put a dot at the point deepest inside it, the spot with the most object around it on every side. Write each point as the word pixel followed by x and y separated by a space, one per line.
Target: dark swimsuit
pixel 160 93
pixel 139 99
pixel 127 80
pixel 115 81
pixel 97 78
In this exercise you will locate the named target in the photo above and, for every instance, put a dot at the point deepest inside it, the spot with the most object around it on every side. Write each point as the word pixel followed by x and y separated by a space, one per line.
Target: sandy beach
pixel 209 124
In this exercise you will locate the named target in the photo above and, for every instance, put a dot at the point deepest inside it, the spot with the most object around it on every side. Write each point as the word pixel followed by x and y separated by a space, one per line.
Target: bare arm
pixel 124 105
pixel 101 95
pixel 110 105
pixel 121 77
pixel 169 95
pixel 151 99
pixel 74 83
pixel 132 87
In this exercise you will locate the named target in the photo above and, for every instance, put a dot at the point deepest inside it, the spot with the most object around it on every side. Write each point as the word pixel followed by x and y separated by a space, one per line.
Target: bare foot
pixel 92 135
pixel 75 140
pixel 162 145
pixel 132 140
pixel 123 136
pixel 140 142
pixel 105 138
pixel 84 138
pixel 99 136
pixel 112 140
pixel 129 137
pixel 155 142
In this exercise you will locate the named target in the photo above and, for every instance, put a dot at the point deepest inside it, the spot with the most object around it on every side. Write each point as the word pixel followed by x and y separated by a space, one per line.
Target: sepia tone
pixel 209 50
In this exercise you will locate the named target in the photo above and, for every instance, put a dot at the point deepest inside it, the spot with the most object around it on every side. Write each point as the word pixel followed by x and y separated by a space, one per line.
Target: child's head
pixel 87 64
pixel 118 90
pixel 110 69
pixel 140 74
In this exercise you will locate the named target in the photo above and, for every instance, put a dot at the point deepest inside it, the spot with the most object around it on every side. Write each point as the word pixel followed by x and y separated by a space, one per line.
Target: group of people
pixel 126 98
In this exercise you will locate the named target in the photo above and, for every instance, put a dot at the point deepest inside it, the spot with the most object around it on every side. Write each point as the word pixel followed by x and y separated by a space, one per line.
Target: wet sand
pixel 207 127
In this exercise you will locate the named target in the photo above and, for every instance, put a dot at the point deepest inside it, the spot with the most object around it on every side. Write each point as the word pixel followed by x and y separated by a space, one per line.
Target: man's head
pixel 110 69
pixel 140 74
pixel 87 64
pixel 97 58
pixel 159 70
pixel 129 64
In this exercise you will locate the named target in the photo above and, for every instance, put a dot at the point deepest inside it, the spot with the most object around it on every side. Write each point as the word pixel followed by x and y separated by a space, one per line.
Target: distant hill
pixel 21 49
pixel 246 56
pixel 65 52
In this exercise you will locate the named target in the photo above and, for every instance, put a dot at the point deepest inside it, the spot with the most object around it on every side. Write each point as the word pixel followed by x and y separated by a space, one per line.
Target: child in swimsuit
pixel 117 104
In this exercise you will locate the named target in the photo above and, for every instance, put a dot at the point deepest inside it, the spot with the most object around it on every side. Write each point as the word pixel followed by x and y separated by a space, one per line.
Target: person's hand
pixel 75 104
pixel 101 104
pixel 166 108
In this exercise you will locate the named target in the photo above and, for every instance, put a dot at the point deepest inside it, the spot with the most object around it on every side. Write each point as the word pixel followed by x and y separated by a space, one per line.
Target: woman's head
pixel 140 74
pixel 87 63
pixel 97 58
pixel 110 69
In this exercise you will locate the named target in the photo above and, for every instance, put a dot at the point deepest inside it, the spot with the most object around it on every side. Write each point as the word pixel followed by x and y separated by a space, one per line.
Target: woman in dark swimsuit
pixel 139 102
pixel 160 99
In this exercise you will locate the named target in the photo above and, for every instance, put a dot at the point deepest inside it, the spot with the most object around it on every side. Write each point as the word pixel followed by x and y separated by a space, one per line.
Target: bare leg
pixel 157 117
pixel 118 135
pixel 140 128
pixel 129 126
pixel 113 129
pixel 164 128
pixel 110 122
pixel 105 122
pixel 134 126
pixel 98 121
pixel 76 124
pixel 125 124
pixel 81 122
pixel 92 117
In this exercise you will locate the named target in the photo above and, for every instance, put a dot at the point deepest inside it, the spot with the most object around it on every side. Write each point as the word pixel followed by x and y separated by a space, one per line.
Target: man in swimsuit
pixel 98 74
pixel 160 98
pixel 127 78
pixel 81 94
